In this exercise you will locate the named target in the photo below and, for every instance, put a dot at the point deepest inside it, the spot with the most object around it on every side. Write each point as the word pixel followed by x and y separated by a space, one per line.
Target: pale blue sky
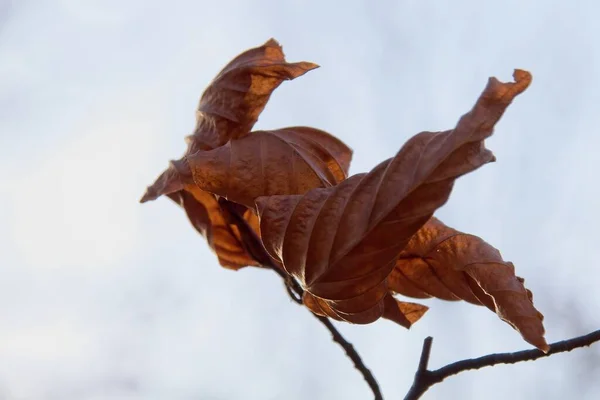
pixel 103 298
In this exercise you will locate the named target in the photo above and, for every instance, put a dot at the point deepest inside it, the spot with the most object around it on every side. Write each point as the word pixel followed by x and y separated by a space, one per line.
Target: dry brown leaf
pixel 351 243
pixel 342 242
pixel 285 161
pixel 442 262
pixel 231 104
pixel 206 216
pixel 401 312
pixel 228 109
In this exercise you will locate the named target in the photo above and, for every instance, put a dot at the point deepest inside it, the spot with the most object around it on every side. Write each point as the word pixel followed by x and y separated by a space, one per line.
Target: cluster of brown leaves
pixel 351 242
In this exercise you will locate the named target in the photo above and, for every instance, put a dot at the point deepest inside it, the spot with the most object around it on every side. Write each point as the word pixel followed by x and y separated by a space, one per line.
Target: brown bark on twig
pixel 425 378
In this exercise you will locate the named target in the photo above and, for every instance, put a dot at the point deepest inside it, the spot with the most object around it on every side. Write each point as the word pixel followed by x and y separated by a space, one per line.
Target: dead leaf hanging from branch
pixel 341 243
pixel 442 262
pixel 231 104
pixel 228 109
pixel 351 243
pixel 345 246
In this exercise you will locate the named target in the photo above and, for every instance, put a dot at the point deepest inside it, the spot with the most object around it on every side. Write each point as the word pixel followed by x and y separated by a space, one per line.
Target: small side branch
pixel 425 378
pixel 425 353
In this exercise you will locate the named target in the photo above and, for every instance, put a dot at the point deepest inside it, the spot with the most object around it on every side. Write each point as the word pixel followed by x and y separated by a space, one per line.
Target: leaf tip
pixel 545 347
pixel 272 42
pixel 520 75
pixel 403 313
pixel 540 343
pixel 310 65
pixel 522 80
pixel 504 92
pixel 300 68
pixel 171 180
pixel 148 195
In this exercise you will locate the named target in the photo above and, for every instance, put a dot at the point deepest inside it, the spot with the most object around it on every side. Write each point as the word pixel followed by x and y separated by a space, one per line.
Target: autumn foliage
pixel 352 243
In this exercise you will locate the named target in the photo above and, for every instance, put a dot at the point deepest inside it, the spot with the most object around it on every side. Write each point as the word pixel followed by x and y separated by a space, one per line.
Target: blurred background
pixel 103 298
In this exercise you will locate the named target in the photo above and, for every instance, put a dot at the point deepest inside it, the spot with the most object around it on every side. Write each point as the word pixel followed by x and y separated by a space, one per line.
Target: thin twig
pixel 254 247
pixel 422 380
pixel 425 378
pixel 354 356
pixel 425 353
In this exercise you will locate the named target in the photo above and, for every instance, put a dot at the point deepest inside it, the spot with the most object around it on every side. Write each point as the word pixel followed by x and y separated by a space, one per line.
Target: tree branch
pixel 424 378
pixel 354 356
pixel 253 245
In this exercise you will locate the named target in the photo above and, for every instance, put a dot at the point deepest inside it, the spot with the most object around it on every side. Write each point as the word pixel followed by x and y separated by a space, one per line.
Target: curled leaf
pixel 223 237
pixel 231 104
pixel 351 243
pixel 206 216
pixel 442 262
pixel 289 160
pixel 342 242
pixel 401 312
pixel 284 161
pixel 228 109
